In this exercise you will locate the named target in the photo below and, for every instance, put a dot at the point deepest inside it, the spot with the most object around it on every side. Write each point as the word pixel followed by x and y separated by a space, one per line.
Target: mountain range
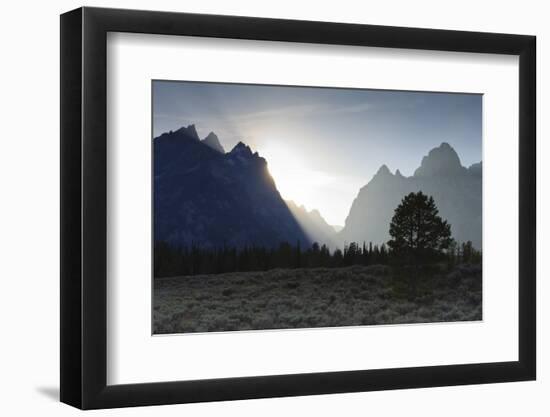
pixel 207 197
pixel 457 192
pixel 314 225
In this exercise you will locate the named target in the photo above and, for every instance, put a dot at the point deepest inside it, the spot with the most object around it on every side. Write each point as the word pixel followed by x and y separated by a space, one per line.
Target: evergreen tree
pixel 418 233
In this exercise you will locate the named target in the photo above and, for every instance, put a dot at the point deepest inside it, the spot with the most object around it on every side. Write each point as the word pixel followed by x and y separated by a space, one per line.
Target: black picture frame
pixel 84 207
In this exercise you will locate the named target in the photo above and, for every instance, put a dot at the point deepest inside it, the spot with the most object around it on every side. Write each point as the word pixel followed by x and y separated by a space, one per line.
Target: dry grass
pixel 320 297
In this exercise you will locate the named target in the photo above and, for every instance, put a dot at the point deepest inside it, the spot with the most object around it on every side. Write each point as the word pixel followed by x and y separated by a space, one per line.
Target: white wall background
pixel 29 236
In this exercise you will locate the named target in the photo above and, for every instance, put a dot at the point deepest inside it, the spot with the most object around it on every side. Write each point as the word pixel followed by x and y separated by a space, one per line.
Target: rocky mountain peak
pixel 213 142
pixel 241 149
pixel 383 171
pixel 190 131
pixel 441 161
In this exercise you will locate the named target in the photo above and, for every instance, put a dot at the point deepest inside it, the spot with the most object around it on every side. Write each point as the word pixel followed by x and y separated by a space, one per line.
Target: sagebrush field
pixel 316 297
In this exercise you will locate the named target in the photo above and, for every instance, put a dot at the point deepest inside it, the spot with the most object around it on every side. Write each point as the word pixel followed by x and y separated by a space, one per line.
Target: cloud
pixel 354 108
pixel 284 111
pixel 301 110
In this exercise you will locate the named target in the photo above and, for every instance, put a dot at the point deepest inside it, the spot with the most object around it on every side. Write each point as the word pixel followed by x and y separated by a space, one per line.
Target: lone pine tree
pixel 418 233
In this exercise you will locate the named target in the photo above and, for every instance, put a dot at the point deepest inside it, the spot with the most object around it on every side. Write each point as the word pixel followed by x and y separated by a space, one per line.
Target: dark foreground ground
pixel 320 297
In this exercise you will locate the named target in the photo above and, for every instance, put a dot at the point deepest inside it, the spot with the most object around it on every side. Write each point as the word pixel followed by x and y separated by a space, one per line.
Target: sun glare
pixel 294 179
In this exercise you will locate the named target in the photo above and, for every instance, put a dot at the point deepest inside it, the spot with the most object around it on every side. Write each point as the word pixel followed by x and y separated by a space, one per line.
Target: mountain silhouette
pixel 314 225
pixel 213 141
pixel 457 192
pixel 208 198
pixel 442 161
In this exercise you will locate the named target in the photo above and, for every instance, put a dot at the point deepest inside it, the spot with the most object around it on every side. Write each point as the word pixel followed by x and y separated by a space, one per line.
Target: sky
pixel 323 144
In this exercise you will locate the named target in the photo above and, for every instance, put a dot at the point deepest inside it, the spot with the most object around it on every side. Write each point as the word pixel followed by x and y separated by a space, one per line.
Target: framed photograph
pixel 257 208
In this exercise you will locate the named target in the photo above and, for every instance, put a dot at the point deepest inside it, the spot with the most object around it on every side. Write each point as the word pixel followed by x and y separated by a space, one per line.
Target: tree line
pixel 418 234
pixel 196 260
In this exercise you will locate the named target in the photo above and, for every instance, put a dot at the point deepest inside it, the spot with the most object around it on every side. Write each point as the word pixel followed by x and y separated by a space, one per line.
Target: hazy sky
pixel 323 144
